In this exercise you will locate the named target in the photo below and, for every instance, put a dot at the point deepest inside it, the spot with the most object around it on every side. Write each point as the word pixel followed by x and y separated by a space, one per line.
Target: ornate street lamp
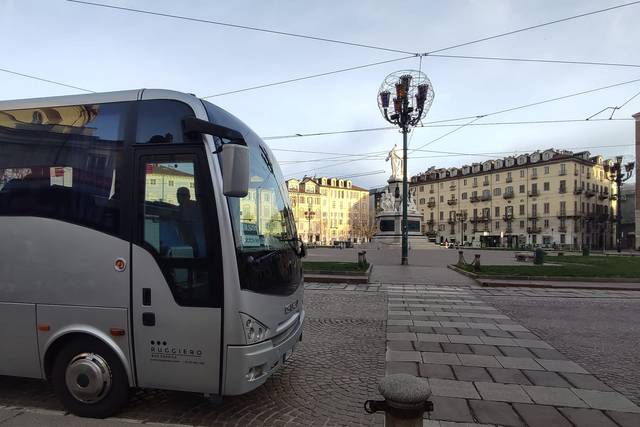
pixel 617 175
pixel 412 97
pixel 309 214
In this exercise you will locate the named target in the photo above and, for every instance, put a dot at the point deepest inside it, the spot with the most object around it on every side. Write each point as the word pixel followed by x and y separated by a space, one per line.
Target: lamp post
pixel 413 96
pixel 615 173
pixel 309 214
pixel 461 217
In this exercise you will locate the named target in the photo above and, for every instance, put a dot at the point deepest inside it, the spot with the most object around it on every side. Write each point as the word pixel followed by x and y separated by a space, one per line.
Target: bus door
pixel 177 280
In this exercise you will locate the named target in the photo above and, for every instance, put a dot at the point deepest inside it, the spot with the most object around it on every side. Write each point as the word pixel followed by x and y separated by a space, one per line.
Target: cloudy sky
pixel 104 49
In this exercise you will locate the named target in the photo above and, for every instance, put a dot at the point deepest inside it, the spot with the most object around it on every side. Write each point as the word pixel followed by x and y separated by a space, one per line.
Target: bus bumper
pixel 250 366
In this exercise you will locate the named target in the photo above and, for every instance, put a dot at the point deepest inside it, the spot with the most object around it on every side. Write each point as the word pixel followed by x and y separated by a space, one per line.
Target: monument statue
pixel 411 202
pixel 387 204
pixel 396 164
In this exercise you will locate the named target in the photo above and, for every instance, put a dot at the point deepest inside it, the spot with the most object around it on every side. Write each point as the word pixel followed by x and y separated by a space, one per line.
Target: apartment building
pixel 553 198
pixel 330 209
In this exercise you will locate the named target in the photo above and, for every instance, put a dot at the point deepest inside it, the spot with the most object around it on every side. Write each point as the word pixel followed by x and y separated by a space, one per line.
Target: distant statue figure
pixel 396 164
pixel 387 204
pixel 411 202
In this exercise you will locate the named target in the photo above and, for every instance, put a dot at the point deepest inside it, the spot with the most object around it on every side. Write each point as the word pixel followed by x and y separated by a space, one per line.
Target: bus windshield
pixel 263 226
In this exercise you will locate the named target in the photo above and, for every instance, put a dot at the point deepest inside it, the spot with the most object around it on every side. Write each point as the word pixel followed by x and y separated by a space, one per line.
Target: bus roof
pixel 96 98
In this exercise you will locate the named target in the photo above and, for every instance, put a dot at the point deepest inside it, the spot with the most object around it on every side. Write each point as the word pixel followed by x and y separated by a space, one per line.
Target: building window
pixel 546 186
pixel 522 207
pixel 497 210
pixel 546 223
pixel 464 196
pixel 441 199
pixel 522 173
pixel 546 170
pixel 521 224
pixel 465 181
pixel 497 225
pixel 497 177
pixel 441 216
pixel 497 191
pixel 522 189
pixel 562 239
pixel 422 201
pixel 546 208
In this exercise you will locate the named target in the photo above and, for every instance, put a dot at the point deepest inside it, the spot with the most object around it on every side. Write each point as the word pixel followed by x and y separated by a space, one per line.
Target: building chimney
pixel 637 210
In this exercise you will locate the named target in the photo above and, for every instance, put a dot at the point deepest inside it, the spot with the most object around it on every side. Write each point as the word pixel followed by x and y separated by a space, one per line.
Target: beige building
pixel 552 198
pixel 330 209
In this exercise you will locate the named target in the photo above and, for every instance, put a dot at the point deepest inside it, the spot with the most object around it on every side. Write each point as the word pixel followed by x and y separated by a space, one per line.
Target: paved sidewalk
pixel 485 368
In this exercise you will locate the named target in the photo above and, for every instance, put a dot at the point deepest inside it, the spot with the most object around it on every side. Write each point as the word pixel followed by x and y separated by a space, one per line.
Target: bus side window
pixel 173 226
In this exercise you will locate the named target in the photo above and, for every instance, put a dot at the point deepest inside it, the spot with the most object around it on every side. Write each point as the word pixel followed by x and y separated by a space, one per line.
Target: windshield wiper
pixel 261 258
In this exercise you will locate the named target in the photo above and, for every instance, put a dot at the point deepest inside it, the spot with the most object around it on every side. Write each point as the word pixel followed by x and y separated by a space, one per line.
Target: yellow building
pixel 330 209
pixel 553 198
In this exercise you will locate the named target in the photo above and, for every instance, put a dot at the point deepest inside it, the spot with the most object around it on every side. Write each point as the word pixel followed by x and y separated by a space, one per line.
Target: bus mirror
pixel 235 170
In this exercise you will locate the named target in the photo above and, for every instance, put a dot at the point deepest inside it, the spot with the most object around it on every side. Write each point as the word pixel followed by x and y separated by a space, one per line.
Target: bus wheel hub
pixel 88 377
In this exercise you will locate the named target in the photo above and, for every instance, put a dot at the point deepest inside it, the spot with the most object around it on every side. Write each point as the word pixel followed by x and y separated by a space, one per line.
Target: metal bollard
pixel 406 398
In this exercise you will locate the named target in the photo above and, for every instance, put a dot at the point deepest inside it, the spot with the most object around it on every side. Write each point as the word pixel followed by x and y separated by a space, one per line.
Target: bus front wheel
pixel 89 379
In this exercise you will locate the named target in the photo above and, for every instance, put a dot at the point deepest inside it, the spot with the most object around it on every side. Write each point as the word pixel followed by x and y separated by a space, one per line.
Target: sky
pixel 104 50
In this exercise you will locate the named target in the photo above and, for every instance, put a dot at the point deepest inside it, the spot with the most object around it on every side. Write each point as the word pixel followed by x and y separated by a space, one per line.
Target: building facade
pixel 549 199
pixel 327 210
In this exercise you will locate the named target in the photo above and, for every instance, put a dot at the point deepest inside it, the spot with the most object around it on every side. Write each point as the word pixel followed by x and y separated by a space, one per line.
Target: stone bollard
pixel 476 263
pixel 362 258
pixel 461 260
pixel 406 398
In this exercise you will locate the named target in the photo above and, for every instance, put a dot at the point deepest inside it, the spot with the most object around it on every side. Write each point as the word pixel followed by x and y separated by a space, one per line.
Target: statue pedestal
pixel 389 221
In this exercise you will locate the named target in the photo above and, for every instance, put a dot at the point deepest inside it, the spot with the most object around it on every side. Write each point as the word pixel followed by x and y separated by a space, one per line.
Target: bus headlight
pixel 254 331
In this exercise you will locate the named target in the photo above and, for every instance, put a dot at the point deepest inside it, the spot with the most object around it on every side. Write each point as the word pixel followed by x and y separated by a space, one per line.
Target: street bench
pixel 524 256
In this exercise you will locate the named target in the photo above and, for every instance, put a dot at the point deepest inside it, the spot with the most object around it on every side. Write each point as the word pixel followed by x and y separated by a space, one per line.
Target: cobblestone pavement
pixel 483 367
pixel 599 330
pixel 326 382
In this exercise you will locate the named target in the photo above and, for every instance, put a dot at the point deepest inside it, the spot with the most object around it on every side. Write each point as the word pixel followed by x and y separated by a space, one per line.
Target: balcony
pixel 431 191
pixel 577 191
pixel 508 218
pixel 589 193
pixel 562 173
pixel 485 218
pixel 474 199
pixel 603 196
pixel 485 183
pixel 509 179
pixel 485 198
pixel 562 190
pixel 562 229
pixel 575 172
pixel 534 177
pixel 604 218
pixel 562 214
pixel 431 204
pixel 430 222
pixel 533 216
pixel 452 202
pixel 474 219
pixel 534 193
pixel 474 185
pixel 508 195
pixel 508 230
pixel 452 187
pixel 589 216
pixel 534 230
pixel 431 233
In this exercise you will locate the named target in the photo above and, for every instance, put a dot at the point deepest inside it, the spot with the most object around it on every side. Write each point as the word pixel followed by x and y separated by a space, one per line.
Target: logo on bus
pixel 291 307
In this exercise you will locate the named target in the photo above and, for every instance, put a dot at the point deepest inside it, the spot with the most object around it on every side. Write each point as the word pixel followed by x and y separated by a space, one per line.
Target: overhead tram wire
pixel 243 27
pixel 312 76
pixel 532 27
pixel 436 125
pixel 492 154
pixel 535 60
pixel 29 76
